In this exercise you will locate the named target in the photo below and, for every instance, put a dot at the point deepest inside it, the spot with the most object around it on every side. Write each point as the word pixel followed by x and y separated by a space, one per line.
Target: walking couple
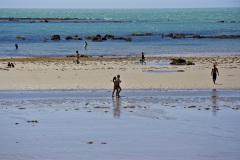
pixel 116 87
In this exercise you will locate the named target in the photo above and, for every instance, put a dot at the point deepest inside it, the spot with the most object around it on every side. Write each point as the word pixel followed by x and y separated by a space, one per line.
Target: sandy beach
pixel 97 73
pixel 53 108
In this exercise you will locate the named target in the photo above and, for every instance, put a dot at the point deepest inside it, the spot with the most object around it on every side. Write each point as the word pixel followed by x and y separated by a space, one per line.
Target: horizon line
pixel 121 8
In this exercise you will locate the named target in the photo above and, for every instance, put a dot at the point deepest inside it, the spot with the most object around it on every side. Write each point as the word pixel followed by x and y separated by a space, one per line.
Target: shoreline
pixel 125 94
pixel 95 73
pixel 123 90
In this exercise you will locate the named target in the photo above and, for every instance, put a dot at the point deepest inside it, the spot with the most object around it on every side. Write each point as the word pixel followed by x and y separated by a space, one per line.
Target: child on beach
pixel 214 73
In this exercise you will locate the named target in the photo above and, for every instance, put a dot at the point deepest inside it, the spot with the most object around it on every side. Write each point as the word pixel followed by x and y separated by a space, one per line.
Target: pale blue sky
pixel 118 3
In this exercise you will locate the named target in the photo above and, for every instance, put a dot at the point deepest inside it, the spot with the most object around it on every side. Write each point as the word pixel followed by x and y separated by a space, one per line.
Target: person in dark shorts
pixel 118 81
pixel 115 88
pixel 77 56
pixel 143 59
pixel 214 73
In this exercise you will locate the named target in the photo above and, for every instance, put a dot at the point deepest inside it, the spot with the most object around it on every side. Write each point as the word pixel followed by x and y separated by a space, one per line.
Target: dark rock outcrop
pixel 141 34
pixel 178 61
pixel 108 36
pixel 128 39
pixel 218 36
pixel 77 38
pixel 222 21
pixel 190 63
pixel 122 38
pixel 73 38
pixel 68 38
pixel 19 37
pixel 181 61
pixel 97 38
pixel 227 36
pixel 168 35
pixel 180 35
pixel 88 37
pixel 55 38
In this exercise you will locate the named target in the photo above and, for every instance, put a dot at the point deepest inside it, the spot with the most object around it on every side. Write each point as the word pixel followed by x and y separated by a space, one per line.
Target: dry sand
pixel 97 73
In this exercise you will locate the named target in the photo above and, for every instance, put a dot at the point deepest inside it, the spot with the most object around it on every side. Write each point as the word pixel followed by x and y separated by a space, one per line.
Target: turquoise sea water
pixel 120 23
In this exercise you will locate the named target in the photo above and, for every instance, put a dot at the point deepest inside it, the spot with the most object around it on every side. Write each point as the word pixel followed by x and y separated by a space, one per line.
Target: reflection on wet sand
pixel 214 102
pixel 116 107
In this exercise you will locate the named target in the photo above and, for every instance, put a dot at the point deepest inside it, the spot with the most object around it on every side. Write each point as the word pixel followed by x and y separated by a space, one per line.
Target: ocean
pixel 120 23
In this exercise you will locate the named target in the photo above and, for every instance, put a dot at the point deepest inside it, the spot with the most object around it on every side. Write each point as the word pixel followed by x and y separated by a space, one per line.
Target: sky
pixel 118 3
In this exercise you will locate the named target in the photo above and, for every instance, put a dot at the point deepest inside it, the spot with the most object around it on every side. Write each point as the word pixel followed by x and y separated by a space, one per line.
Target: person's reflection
pixel 214 102
pixel 116 107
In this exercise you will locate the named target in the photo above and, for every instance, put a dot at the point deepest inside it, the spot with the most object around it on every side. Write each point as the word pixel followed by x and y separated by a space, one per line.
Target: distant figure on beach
pixel 162 35
pixel 85 45
pixel 16 45
pixel 77 57
pixel 118 81
pixel 10 65
pixel 143 59
pixel 214 73
pixel 114 86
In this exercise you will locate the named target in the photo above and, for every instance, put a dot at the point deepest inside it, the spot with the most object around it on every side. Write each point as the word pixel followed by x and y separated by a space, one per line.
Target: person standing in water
pixel 16 45
pixel 214 73
pixel 85 45
pixel 114 86
pixel 118 81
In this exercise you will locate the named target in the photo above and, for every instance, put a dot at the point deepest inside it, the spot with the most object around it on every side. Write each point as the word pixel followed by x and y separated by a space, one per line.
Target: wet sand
pixel 142 124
